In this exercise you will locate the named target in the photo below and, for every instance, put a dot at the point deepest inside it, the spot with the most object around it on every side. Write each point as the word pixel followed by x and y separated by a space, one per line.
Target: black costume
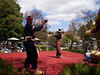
pixel 30 48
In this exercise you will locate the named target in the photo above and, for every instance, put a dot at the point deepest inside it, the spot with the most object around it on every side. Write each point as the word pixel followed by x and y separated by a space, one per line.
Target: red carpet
pixel 46 61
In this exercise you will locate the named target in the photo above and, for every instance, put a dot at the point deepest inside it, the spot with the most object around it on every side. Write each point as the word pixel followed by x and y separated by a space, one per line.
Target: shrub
pixel 81 69
pixel 6 68
pixel 43 48
pixel 38 47
pixel 51 48
pixel 75 50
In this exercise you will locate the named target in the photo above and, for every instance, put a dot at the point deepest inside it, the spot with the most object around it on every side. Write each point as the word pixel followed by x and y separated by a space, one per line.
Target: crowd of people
pixel 9 47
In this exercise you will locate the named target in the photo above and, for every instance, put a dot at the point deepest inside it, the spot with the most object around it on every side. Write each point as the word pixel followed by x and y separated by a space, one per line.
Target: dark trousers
pixel 31 55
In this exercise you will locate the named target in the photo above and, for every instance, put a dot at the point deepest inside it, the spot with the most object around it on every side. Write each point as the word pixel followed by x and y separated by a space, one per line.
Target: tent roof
pixel 13 38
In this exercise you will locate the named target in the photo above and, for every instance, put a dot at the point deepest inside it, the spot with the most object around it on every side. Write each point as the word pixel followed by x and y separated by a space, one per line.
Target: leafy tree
pixel 72 30
pixel 52 40
pixel 82 31
pixel 84 17
pixel 41 35
pixel 10 20
pixel 64 41
pixel 84 22
pixel 87 15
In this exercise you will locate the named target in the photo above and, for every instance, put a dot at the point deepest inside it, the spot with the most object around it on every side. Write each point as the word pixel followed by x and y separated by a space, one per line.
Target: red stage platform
pixel 46 61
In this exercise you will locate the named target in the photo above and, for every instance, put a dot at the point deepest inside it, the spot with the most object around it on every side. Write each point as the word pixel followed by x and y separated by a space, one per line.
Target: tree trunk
pixel 71 45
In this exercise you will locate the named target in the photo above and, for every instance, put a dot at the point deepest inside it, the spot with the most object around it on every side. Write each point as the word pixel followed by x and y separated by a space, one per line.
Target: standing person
pixel 9 43
pixel 59 42
pixel 30 47
pixel 87 47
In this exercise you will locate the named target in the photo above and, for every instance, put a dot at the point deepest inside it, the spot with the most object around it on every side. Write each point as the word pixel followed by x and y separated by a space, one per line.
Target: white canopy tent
pixel 35 38
pixel 13 38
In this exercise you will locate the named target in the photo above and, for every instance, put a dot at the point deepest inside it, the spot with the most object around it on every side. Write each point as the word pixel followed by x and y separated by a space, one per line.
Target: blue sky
pixel 58 12
pixel 64 25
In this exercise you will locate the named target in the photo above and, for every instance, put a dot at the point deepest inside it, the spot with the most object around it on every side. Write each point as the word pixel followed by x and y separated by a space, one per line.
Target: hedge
pixel 81 69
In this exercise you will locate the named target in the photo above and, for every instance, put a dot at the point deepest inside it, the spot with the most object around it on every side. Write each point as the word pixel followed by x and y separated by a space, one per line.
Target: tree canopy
pixel 10 20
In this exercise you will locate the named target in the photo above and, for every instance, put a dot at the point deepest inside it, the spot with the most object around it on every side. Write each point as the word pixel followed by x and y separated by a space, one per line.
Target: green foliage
pixel 81 69
pixel 75 50
pixel 25 73
pixel 43 48
pixel 82 31
pixel 64 40
pixel 7 68
pixel 11 19
pixel 71 36
pixel 52 40
pixel 11 33
pixel 41 35
pixel 51 48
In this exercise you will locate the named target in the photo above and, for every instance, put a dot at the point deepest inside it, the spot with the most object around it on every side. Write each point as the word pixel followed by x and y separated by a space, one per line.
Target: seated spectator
pixel 16 50
pixel 1 50
pixel 6 51
pixel 12 49
pixel 24 50
pixel 98 49
pixel 20 50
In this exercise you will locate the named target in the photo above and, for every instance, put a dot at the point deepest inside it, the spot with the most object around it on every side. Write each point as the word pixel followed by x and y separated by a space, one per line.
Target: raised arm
pixel 40 26
pixel 64 34
pixel 54 33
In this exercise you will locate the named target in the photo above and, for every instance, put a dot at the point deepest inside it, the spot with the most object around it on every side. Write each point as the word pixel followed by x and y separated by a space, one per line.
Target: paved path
pixel 46 61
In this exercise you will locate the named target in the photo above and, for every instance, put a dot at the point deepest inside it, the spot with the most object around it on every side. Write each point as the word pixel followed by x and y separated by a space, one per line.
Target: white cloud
pixel 54 22
pixel 64 6
pixel 61 17
pixel 63 10
pixel 26 5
